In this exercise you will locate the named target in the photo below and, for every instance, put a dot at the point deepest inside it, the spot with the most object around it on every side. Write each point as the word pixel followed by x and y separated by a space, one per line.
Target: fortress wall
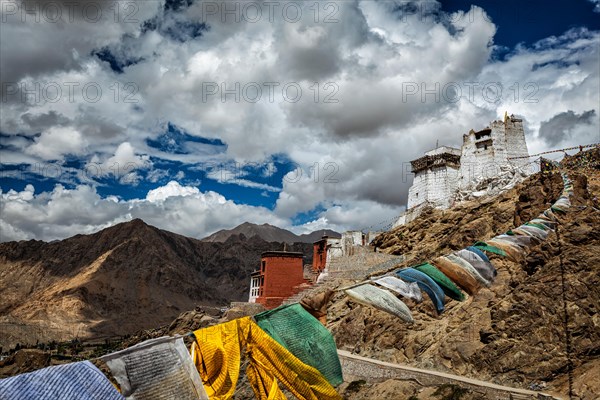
pixel 417 193
pixel 441 184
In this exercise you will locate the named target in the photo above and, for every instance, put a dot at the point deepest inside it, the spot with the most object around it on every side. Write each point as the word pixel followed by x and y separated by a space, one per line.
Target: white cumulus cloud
pixel 171 189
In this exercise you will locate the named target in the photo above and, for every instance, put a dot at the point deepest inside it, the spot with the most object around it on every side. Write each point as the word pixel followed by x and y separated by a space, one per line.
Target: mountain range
pixel 269 233
pixel 128 277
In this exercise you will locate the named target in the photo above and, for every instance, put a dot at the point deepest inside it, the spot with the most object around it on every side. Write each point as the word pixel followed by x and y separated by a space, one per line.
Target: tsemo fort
pixel 444 174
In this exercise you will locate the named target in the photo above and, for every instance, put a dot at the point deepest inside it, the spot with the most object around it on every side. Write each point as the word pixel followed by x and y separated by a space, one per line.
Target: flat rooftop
pixel 443 149
pixel 291 254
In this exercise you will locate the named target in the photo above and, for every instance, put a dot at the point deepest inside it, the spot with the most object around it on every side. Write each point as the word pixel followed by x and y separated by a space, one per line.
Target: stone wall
pixel 516 146
pixel 434 186
pixel 435 178
pixel 400 221
pixel 481 157
pixel 355 368
pixel 351 239
pixel 359 266
pixel 417 193
pixel 441 185
pixel 371 236
pixel 334 250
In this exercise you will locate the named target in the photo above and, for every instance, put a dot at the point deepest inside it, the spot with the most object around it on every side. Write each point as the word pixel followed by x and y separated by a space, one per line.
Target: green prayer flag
pixel 305 337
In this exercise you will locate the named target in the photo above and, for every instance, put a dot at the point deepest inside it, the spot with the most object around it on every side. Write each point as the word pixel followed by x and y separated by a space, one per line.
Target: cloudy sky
pixel 199 115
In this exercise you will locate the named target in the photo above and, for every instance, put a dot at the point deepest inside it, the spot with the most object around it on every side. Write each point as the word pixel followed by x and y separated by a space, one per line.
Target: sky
pixel 200 115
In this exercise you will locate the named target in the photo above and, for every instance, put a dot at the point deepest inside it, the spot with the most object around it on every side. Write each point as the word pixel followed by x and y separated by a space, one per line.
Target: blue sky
pixel 248 182
pixel 197 120
pixel 526 22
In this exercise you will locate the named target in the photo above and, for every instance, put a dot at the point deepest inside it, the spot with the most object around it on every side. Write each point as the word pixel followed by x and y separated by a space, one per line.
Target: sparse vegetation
pixel 449 391
pixel 355 386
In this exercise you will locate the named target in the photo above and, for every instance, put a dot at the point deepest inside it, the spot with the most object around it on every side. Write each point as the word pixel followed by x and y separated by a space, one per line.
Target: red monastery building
pixel 277 279
pixel 323 251
pixel 320 255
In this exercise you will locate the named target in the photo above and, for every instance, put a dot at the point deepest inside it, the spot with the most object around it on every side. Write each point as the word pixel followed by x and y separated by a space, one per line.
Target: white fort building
pixel 441 173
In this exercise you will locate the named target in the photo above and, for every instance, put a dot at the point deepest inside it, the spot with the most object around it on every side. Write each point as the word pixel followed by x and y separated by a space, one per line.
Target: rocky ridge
pixel 269 233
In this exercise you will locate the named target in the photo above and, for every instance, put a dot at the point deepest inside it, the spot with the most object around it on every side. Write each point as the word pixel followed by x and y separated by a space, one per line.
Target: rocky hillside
pixel 437 232
pixel 125 278
pixel 269 233
pixel 514 333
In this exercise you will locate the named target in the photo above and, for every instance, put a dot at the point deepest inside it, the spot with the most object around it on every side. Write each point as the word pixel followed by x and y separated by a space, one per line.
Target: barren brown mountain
pixel 125 278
